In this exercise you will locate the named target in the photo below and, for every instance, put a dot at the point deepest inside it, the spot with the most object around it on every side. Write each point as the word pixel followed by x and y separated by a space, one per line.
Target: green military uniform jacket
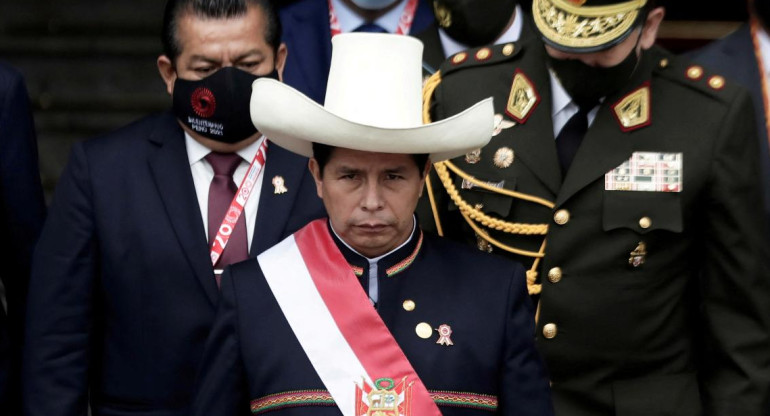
pixel 654 302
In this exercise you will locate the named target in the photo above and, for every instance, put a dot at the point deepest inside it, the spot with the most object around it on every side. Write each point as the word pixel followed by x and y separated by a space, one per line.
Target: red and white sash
pixel 345 339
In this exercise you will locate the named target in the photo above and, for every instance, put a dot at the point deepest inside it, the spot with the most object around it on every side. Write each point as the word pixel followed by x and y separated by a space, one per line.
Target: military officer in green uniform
pixel 629 179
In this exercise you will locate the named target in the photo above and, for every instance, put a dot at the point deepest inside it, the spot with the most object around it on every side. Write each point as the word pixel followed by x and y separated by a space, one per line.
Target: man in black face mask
pixel 744 56
pixel 125 277
pixel 463 24
pixel 629 179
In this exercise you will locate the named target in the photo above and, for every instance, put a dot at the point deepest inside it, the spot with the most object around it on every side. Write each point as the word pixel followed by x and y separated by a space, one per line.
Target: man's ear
pixel 280 60
pixel 167 72
pixel 315 170
pixel 651 26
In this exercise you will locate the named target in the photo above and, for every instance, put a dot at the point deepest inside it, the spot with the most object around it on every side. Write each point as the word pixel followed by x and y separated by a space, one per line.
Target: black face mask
pixel 217 107
pixel 586 84
pixel 471 23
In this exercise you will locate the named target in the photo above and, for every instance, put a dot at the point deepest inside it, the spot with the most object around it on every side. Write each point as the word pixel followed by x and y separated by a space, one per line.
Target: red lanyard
pixel 762 75
pixel 238 203
pixel 404 23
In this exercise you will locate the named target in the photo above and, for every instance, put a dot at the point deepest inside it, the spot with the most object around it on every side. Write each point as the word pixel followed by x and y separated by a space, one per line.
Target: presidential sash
pixel 348 344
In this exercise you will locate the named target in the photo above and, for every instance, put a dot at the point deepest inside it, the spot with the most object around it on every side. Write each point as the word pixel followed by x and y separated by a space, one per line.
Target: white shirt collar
pixel 196 151
pixel 349 20
pixel 560 98
pixel 764 47
pixel 513 34
pixel 376 259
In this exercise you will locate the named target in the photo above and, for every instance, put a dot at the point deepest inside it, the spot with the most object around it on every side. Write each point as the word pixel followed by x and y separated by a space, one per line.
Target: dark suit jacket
pixel 122 294
pixel 687 331
pixel 253 353
pixel 307 35
pixel 22 209
pixel 733 56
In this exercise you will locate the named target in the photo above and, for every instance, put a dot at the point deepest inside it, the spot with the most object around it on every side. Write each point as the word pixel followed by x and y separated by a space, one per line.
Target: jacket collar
pixel 389 264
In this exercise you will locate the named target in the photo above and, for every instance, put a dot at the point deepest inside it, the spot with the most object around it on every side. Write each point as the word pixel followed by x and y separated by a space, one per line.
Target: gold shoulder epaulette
pixel 480 56
pixel 694 76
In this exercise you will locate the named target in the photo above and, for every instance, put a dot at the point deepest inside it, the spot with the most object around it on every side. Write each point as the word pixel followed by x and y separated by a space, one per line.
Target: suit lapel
pixel 605 145
pixel 275 209
pixel 433 51
pixel 533 141
pixel 171 171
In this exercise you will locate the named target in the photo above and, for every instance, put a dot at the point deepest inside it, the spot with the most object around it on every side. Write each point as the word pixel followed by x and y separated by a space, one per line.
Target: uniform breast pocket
pixel 642 212
pixel 486 200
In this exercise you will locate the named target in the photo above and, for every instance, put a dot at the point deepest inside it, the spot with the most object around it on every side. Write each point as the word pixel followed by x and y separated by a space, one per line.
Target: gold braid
pixel 472 214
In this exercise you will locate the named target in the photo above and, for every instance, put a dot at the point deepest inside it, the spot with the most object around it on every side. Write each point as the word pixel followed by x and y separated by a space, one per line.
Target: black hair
pixel 215 9
pixel 322 153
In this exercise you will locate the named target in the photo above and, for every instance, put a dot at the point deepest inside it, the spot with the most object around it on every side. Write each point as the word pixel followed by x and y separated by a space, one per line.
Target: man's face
pixel 207 45
pixel 370 197
pixel 640 39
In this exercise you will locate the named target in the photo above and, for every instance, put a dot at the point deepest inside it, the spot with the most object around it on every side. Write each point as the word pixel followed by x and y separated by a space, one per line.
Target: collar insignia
pixel 522 99
pixel 501 124
pixel 633 110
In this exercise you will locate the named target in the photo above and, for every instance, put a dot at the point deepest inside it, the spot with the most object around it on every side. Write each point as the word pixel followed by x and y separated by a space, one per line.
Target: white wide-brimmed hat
pixel 373 103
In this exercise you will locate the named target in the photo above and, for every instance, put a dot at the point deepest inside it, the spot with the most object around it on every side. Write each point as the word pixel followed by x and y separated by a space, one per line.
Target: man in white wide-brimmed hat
pixel 363 314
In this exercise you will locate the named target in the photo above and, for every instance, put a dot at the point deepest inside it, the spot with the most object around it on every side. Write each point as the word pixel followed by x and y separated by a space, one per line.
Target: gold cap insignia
pixel 503 157
pixel 443 15
pixel 522 99
pixel 473 157
pixel 459 58
pixel 572 25
pixel 638 256
pixel 633 110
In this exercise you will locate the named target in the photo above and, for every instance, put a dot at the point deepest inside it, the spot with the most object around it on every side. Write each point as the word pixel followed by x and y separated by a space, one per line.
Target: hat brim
pixel 294 122
pixel 575 29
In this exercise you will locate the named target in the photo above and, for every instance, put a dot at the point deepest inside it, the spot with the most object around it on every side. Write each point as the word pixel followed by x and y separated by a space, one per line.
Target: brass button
pixel 554 275
pixel 663 62
pixel 645 222
pixel 409 305
pixel 508 49
pixel 716 82
pixel 483 54
pixel 459 58
pixel 549 331
pixel 561 217
pixel 694 72
pixel 423 330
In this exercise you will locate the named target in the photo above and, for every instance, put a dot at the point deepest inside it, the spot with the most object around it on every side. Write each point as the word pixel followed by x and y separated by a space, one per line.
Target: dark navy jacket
pixel 22 209
pixel 307 35
pixel 122 294
pixel 252 352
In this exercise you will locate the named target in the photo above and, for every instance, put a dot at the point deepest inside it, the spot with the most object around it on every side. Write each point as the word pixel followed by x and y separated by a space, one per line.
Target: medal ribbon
pixel 404 23
pixel 238 203
pixel 762 75
pixel 331 316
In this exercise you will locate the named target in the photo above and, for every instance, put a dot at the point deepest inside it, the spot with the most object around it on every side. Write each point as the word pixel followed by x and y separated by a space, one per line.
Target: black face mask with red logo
pixel 217 107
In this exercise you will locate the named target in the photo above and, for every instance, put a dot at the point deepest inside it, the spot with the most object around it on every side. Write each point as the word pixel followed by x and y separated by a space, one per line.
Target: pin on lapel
pixel 444 332
pixel 278 183
pixel 638 256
